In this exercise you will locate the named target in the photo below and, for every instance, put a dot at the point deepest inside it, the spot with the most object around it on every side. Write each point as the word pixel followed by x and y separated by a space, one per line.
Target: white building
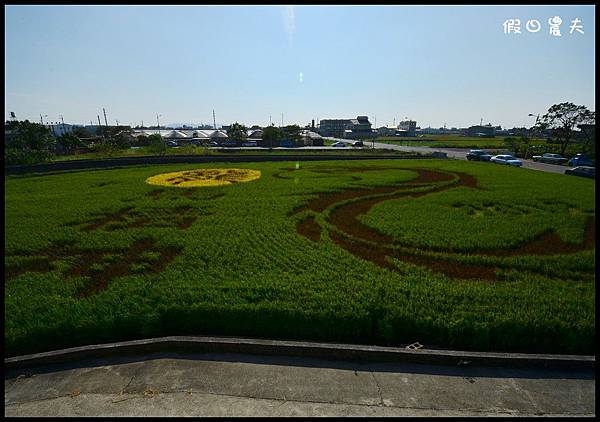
pixel 183 134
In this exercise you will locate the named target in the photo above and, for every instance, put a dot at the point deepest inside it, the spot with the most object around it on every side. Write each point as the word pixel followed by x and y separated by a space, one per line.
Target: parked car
pixel 229 143
pixel 250 144
pixel 580 160
pixel 213 144
pixel 583 171
pixel 478 155
pixel 172 144
pixel 339 144
pixel 358 144
pixel 506 159
pixel 550 158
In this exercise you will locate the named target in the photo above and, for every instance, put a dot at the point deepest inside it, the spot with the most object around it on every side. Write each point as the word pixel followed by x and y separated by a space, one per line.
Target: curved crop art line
pixel 342 210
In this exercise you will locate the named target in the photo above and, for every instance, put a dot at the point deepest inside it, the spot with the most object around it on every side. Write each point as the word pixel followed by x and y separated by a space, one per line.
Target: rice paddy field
pixel 451 254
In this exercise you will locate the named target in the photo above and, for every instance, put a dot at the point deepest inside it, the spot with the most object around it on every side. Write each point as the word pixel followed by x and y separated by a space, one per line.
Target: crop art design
pixel 204 177
pixel 338 215
pixel 99 267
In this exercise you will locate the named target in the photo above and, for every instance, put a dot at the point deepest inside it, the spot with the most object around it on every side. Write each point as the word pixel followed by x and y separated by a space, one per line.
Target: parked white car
pixel 506 159
pixel 339 144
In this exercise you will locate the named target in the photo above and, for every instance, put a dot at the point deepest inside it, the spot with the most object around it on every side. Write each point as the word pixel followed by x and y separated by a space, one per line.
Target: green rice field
pixel 452 254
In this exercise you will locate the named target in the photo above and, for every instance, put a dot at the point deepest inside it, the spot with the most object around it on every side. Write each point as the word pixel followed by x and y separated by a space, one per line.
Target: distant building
pixel 184 136
pixel 311 138
pixel 408 127
pixel 479 131
pixel 255 134
pixel 175 134
pixel 386 131
pixel 347 128
pixel 333 127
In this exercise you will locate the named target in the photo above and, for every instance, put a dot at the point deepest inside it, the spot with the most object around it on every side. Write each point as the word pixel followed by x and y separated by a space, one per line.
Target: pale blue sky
pixel 434 64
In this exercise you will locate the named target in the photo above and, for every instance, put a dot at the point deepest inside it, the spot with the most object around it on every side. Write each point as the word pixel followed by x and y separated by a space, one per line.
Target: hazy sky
pixel 434 64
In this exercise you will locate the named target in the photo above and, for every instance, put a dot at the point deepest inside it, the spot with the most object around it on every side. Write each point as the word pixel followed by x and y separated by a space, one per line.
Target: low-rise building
pixel 184 136
pixel 481 131
pixel 311 138
pixel 408 127
pixel 386 131
pixel 358 128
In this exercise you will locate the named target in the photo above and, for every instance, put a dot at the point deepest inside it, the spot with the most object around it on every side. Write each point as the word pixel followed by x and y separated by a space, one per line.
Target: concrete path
pixel 244 385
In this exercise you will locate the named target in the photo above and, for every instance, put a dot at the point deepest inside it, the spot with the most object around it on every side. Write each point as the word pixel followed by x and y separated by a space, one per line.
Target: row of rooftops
pixel 191 134
pixel 207 134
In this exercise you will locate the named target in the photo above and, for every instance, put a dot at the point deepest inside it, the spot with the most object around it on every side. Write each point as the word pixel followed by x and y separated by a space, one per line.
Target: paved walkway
pixel 243 385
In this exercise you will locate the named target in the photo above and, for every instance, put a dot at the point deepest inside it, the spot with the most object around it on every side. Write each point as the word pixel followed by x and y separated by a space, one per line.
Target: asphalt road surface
pixel 461 154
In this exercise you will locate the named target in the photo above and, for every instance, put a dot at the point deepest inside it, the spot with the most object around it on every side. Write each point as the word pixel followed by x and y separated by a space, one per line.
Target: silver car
pixel 506 159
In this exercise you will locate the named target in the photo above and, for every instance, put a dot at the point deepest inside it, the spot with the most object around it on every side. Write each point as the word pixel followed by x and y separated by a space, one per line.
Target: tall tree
pixel 292 132
pixel 156 144
pixel 28 142
pixel 271 136
pixel 82 132
pixel 68 143
pixel 237 132
pixel 562 119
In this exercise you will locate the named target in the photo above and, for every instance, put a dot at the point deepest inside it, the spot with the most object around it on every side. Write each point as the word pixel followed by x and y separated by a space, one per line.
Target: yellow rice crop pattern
pixel 204 177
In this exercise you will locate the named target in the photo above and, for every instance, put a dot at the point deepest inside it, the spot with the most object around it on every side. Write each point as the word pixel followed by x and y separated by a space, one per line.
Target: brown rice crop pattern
pixel 346 207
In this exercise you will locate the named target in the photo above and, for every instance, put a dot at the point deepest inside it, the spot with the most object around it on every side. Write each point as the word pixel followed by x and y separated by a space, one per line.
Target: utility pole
pixel 281 119
pixel 105 121
pixel 117 122
pixel 41 119
pixel 99 126
pixel 270 124
pixel 481 122
pixel 63 124
pixel 214 120
pixel 158 123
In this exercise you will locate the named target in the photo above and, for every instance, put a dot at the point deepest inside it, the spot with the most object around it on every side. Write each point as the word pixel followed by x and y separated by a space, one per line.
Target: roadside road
pixel 246 385
pixel 460 154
